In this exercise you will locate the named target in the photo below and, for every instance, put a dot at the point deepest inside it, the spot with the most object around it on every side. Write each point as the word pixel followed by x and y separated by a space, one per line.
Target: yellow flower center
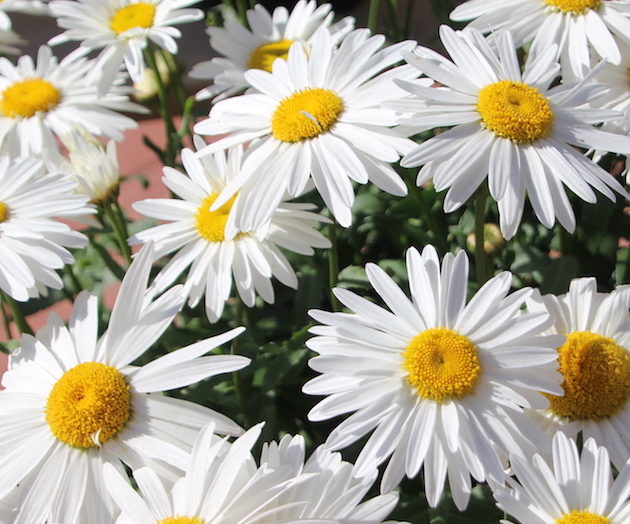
pixel 596 373
pixel 515 111
pixel 211 224
pixel 181 520
pixel 582 517
pixel 140 14
pixel 264 55
pixel 306 114
pixel 25 98
pixel 441 364
pixel 4 212
pixel 90 403
pixel 577 7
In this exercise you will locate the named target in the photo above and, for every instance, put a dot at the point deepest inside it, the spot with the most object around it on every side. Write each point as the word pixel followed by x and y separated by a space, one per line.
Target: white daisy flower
pixel 617 78
pixel 73 402
pixel 122 29
pixel 595 364
pixel 572 489
pixel 318 116
pixel 330 492
pixel 50 98
pixel 31 7
pixel 508 127
pixel 223 485
pixel 440 382
pixel 219 252
pixel 32 243
pixel 270 37
pixel 93 167
pixel 582 29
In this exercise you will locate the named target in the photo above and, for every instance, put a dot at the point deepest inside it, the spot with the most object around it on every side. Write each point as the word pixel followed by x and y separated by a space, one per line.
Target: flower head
pixel 270 36
pixel 216 250
pixel 50 98
pixel 318 116
pixel 510 127
pixel 93 167
pixel 582 29
pixel 224 485
pixel 440 382
pixel 122 29
pixel 32 242
pixel 573 489
pixel 74 401
pixel 594 362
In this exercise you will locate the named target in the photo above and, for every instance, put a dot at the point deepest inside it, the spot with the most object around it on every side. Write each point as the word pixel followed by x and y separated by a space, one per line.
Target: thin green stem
pixel 625 267
pixel 170 151
pixel 438 232
pixel 408 15
pixel 239 318
pixel 392 19
pixel 111 264
pixel 76 284
pixel 119 233
pixel 119 215
pixel 480 219
pixel 373 15
pixel 6 321
pixel 175 76
pixel 333 265
pixel 241 9
pixel 18 316
pixel 185 127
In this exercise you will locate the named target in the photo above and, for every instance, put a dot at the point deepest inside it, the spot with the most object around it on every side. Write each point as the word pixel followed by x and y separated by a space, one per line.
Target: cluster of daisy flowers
pixel 528 393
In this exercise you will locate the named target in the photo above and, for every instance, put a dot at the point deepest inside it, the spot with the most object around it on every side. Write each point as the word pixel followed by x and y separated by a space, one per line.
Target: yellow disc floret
pixel 582 517
pixel 211 224
pixel 264 55
pixel 140 14
pixel 24 98
pixel 441 364
pixel 596 372
pixel 576 7
pixel 181 520
pixel 306 114
pixel 89 404
pixel 515 111
pixel 4 212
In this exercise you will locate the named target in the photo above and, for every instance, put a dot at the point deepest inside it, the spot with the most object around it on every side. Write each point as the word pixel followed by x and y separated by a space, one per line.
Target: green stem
pixel 239 318
pixel 625 267
pixel 392 19
pixel 119 215
pixel 175 76
pixel 408 15
pixel 76 284
pixel 333 265
pixel 437 231
pixel 111 264
pixel 241 8
pixel 480 218
pixel 373 15
pixel 6 320
pixel 119 233
pixel 170 151
pixel 185 127
pixel 18 317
